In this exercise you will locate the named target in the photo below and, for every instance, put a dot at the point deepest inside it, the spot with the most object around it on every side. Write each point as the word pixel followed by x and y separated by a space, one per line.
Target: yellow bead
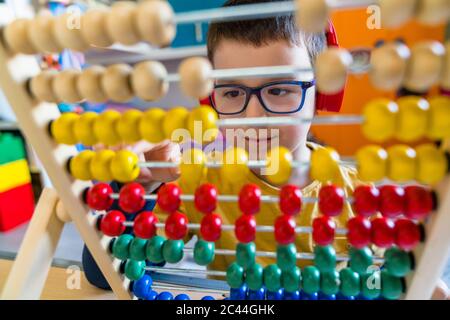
pixel 412 118
pixel 124 166
pixel 62 128
pixel 80 165
pixel 439 126
pixel 234 167
pixel 84 129
pixel 372 163
pixel 128 126
pixel 324 165
pixel 192 166
pixel 432 164
pixel 201 124
pixel 401 163
pixel 176 119
pixel 100 165
pixel 279 165
pixel 150 126
pixel 380 120
pixel 105 127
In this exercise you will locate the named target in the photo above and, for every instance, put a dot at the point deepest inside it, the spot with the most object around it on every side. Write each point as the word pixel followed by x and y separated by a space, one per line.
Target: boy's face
pixel 232 54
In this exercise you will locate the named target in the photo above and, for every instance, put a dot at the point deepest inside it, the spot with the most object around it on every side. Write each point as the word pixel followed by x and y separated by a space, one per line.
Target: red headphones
pixel 324 102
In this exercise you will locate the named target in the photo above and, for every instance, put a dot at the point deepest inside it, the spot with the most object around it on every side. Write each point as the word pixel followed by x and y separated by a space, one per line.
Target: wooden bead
pixel 195 75
pixel 331 70
pixel 433 12
pixel 120 23
pixel 93 28
pixel 17 39
pixel 395 13
pixel 61 213
pixel 155 22
pixel 116 84
pixel 67 32
pixel 89 84
pixel 65 88
pixel 389 64
pixel 312 15
pixel 40 33
pixel 445 79
pixel 41 86
pixel 148 80
pixel 425 66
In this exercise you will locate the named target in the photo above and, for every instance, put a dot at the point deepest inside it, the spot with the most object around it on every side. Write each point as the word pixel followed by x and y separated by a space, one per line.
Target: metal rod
pixel 291 121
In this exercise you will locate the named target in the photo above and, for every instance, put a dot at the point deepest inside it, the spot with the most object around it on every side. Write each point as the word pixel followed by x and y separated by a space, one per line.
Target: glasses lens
pixel 229 100
pixel 282 97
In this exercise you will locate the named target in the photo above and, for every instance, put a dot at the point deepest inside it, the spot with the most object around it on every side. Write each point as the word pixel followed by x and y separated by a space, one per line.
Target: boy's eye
pixel 278 91
pixel 232 94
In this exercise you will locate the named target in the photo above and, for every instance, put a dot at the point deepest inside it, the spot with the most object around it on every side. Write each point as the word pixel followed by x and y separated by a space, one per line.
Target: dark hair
pixel 261 31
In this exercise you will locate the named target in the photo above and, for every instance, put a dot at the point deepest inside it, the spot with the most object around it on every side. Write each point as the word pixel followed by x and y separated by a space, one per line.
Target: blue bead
pixel 362 297
pixel 340 296
pixel 142 286
pixel 278 295
pixel 151 295
pixel 256 294
pixel 182 296
pixel 323 296
pixel 292 295
pixel 309 296
pixel 208 298
pixel 164 296
pixel 239 293
pixel 226 299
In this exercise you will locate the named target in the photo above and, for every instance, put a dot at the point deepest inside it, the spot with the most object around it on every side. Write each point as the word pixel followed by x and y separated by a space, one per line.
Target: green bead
pixel 154 249
pixel 121 246
pixel 311 279
pixel 350 282
pixel 137 249
pixel 245 254
pixel 254 277
pixel 391 287
pixel 272 277
pixel 134 270
pixel 173 251
pixel 398 262
pixel 204 252
pixel 235 275
pixel 330 282
pixel 291 279
pixel 371 285
pixel 325 258
pixel 360 259
pixel 286 256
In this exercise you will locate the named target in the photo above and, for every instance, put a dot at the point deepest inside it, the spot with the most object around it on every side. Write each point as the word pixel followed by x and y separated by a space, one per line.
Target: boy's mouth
pixel 258 140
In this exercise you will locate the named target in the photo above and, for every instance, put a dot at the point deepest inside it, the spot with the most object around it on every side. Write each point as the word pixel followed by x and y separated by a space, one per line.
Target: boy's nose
pixel 254 108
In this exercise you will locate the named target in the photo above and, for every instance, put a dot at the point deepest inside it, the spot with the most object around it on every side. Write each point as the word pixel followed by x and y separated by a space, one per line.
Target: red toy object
pixel 366 200
pixel 205 199
pixel 250 199
pixel 145 225
pixel 131 197
pixel 359 232
pixel 176 226
pixel 419 202
pixel 169 197
pixel 285 229
pixel 245 228
pixel 331 200
pixel 323 230
pixel 98 197
pixel 16 206
pixel 407 234
pixel 392 201
pixel 383 232
pixel 290 200
pixel 112 223
pixel 210 227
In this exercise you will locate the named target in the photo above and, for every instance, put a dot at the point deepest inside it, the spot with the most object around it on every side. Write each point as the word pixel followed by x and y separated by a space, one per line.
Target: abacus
pixel 402 221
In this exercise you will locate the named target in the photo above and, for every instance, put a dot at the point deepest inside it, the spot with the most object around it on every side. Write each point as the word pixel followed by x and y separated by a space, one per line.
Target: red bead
pixel 131 197
pixel 176 226
pixel 331 200
pixel 99 197
pixel 285 229
pixel 290 200
pixel 407 234
pixel 366 200
pixel 211 227
pixel 145 225
pixel 392 201
pixel 359 234
pixel 205 199
pixel 245 228
pixel 383 232
pixel 419 202
pixel 169 197
pixel 323 230
pixel 249 199
pixel 112 223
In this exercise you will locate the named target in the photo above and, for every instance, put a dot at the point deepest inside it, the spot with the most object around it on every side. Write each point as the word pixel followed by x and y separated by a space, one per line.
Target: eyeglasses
pixel 282 97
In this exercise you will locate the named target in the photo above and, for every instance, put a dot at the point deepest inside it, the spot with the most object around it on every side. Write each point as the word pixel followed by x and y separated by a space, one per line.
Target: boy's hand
pixel 441 292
